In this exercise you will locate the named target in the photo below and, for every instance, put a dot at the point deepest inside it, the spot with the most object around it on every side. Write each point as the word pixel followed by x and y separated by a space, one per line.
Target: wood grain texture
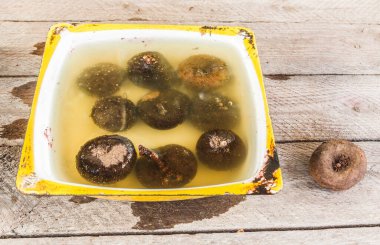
pixel 301 204
pixel 14 207
pixel 330 236
pixel 354 11
pixel 307 38
pixel 302 108
pixel 305 108
pixel 284 48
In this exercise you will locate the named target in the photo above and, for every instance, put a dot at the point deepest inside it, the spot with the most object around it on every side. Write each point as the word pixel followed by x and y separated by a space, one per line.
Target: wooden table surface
pixel 321 64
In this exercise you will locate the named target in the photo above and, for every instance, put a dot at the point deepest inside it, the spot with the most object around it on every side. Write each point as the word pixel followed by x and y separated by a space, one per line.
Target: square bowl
pixel 45 170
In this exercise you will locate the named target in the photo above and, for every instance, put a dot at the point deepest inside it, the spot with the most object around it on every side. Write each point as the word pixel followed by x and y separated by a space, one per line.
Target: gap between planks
pixel 168 233
pixel 334 236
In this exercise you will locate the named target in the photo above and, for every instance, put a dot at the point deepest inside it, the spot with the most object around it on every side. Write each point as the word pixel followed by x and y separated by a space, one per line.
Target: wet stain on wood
pixel 278 77
pixel 165 215
pixel 14 130
pixel 356 107
pixel 14 199
pixel 81 199
pixel 40 47
pixel 25 92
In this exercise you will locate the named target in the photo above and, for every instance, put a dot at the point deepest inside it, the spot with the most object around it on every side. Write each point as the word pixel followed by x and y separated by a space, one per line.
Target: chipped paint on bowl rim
pixel 267 179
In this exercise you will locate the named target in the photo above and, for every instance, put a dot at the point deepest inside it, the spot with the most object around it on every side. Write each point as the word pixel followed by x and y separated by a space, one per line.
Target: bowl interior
pixel 63 123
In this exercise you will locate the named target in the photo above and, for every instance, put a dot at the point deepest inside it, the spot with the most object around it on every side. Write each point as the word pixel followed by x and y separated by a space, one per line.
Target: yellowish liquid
pixel 73 125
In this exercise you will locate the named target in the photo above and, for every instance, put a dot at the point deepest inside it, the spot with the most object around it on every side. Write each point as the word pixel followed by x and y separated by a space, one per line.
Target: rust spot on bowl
pixel 271 165
pixel 266 178
pixel 56 32
pixel 29 181
pixel 25 92
pixel 248 36
pixel 14 130
pixel 52 37
pixel 164 215
pixel 204 29
pixel 40 47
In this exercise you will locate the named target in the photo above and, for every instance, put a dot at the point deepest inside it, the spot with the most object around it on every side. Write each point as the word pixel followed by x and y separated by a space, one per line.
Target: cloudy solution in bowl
pixel 73 126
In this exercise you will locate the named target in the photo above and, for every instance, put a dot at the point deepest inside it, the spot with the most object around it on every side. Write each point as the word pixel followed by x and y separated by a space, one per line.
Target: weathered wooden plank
pixel 324 107
pixel 15 99
pixel 285 48
pixel 329 236
pixel 302 107
pixel 13 206
pixel 301 204
pixel 356 11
